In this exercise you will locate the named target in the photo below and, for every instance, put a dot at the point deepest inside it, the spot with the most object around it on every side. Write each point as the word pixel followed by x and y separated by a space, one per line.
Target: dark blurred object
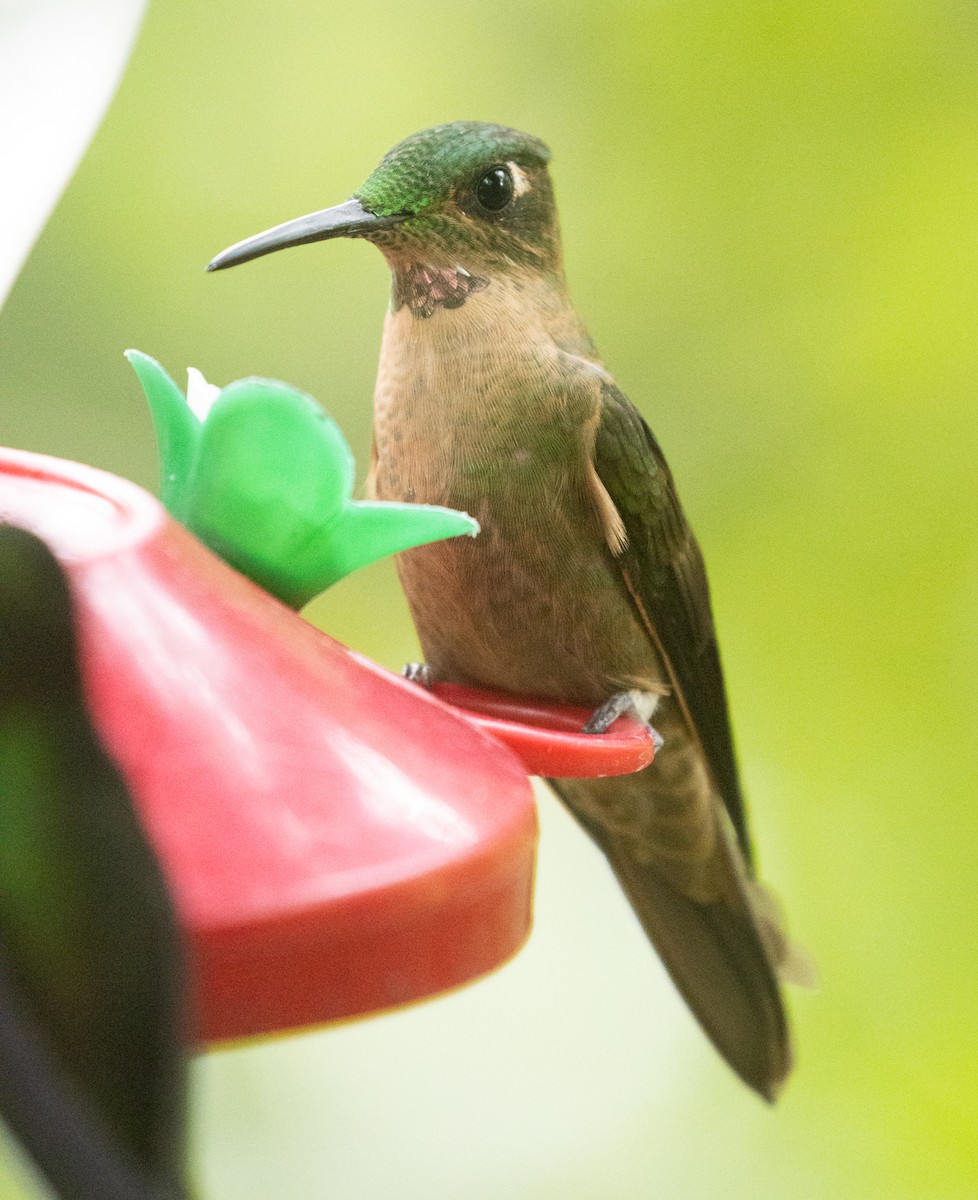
pixel 91 982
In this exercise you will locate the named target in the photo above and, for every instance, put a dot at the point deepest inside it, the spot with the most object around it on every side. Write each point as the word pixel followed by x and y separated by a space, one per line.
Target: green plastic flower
pixel 264 477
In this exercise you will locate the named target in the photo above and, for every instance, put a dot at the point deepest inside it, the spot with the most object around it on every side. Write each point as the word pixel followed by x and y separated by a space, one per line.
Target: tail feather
pixel 717 956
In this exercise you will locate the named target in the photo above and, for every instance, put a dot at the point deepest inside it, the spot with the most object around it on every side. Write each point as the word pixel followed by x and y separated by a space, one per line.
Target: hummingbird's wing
pixel 684 869
pixel 664 572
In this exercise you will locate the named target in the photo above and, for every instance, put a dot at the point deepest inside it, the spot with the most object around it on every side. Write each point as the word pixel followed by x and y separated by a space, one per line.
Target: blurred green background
pixel 770 220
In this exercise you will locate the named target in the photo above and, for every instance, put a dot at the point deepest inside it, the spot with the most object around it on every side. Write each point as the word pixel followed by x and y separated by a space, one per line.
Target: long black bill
pixel 349 219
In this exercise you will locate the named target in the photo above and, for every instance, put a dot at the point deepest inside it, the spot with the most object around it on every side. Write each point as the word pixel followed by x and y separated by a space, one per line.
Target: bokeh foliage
pixel 770 221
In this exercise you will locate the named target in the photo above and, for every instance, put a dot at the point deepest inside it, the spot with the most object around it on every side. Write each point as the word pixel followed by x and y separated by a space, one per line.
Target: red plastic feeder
pixel 548 737
pixel 338 841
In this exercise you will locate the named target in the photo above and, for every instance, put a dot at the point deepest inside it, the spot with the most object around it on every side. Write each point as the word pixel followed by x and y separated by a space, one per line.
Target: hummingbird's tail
pixel 723 950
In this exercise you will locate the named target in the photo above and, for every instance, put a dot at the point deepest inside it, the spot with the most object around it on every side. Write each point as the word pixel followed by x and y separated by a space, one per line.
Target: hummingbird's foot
pixel 419 673
pixel 615 706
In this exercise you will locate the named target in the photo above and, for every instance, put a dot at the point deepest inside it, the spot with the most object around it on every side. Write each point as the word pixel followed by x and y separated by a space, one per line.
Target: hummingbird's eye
pixel 495 189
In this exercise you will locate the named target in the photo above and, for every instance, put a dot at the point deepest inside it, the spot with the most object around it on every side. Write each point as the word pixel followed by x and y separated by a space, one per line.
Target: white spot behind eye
pixel 521 185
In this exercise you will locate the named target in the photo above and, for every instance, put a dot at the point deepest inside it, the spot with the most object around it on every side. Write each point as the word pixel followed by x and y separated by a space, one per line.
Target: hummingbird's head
pixel 467 195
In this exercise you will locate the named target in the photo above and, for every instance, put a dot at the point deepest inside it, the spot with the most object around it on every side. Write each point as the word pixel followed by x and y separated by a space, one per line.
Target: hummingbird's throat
pixel 424 288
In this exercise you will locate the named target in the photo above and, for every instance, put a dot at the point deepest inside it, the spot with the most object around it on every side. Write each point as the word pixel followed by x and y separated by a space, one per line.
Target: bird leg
pixel 615 706
pixel 419 673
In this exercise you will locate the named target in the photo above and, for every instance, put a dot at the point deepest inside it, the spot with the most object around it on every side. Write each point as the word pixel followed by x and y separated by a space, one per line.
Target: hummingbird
pixel 586 584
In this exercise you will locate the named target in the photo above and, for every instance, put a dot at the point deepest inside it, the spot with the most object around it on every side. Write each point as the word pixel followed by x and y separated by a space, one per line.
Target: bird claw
pixel 419 673
pixel 615 706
